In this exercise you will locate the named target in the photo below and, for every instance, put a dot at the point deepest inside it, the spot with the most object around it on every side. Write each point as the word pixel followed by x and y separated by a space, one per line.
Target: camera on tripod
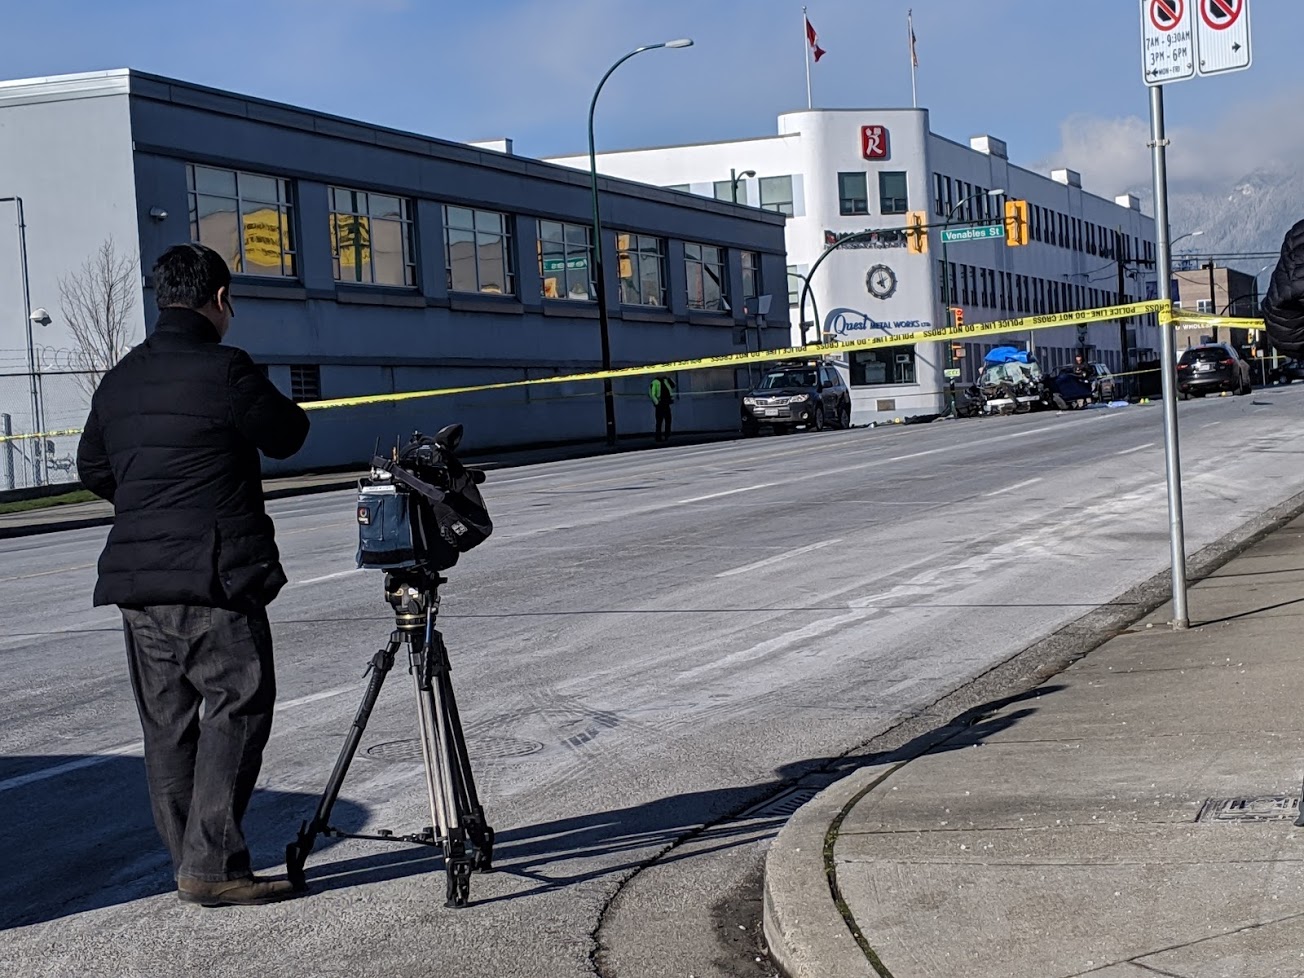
pixel 418 511
pixel 420 508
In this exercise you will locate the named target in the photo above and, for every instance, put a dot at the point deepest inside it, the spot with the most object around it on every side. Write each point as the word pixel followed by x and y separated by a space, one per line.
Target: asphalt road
pixel 649 642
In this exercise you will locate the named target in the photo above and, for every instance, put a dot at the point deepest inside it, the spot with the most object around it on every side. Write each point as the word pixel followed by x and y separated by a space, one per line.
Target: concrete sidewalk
pixel 72 516
pixel 1083 827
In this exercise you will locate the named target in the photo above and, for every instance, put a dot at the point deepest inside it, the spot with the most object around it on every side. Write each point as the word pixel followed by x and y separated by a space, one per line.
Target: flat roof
pixel 140 84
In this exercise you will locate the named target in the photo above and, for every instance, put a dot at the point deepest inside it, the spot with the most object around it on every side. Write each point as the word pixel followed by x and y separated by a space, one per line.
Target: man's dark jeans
pixel 202 771
pixel 663 422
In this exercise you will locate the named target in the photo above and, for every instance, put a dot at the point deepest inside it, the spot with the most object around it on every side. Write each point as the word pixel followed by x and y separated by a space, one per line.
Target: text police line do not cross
pixel 1183 38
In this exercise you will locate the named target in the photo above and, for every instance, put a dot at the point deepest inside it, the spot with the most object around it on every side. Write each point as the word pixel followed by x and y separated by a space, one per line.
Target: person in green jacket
pixel 662 393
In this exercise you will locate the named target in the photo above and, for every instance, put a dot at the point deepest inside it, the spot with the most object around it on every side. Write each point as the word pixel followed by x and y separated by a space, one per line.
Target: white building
pixel 839 171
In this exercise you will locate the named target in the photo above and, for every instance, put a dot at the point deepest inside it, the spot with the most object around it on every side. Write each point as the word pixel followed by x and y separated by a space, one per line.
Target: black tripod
pixel 458 819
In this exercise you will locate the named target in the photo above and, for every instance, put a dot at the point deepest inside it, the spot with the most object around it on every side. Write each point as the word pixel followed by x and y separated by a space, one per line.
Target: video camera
pixel 420 508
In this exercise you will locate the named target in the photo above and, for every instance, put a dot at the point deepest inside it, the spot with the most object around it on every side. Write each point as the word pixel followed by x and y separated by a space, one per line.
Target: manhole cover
pixel 783 805
pixel 396 750
pixel 1268 808
pixel 480 748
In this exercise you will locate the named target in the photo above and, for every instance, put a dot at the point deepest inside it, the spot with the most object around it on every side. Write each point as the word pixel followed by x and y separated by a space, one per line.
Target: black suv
pixel 1212 367
pixel 797 395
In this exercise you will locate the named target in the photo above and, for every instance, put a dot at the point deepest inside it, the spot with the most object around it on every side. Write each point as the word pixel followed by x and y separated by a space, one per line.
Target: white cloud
pixel 1113 154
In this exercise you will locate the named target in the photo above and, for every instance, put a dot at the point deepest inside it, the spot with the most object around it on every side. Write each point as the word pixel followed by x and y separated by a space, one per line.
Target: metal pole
pixel 599 269
pixel 805 51
pixel 733 184
pixel 33 380
pixel 7 429
pixel 1172 454
pixel 1213 301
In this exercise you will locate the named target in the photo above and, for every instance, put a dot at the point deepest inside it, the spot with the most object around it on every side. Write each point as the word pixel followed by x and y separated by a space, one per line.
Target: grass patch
pixel 23 505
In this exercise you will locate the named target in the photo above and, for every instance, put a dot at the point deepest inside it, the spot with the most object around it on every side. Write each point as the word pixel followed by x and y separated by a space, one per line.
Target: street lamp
pixel 33 375
pixel 599 273
pixel 734 177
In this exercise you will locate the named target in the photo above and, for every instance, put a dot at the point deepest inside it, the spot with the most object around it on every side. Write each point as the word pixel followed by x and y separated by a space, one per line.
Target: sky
pixel 1059 80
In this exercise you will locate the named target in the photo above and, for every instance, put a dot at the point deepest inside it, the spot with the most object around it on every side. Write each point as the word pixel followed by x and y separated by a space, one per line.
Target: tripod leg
pixel 468 801
pixel 297 852
pixel 430 755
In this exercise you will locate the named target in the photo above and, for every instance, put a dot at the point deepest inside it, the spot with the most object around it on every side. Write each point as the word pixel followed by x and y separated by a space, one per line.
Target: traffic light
pixel 957 349
pixel 917 233
pixel 957 317
pixel 1016 223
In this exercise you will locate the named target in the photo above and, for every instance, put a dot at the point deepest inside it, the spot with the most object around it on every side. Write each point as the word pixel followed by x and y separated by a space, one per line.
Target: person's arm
pixel 93 460
pixel 1283 306
pixel 263 414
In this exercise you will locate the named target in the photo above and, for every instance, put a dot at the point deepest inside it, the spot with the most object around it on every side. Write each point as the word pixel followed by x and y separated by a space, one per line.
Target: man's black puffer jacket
pixel 172 441
pixel 1283 306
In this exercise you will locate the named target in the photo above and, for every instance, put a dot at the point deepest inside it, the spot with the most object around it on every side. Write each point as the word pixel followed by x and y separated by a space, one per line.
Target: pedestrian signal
pixel 957 317
pixel 917 233
pixel 1016 223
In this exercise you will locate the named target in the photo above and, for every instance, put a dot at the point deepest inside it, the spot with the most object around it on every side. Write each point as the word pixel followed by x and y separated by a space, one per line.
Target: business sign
pixel 852 323
pixel 874 142
pixel 893 238
pixel 561 264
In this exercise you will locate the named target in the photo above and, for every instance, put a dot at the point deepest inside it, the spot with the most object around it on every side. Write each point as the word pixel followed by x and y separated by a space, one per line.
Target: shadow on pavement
pixel 539 852
pixel 84 838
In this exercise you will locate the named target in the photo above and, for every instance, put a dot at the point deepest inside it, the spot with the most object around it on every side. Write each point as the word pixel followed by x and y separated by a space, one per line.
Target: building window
pixel 950 198
pixel 642 261
pixel 870 368
pixel 892 193
pixel 305 382
pixel 704 268
pixel 751 263
pixel 939 206
pixel 796 281
pixel 565 260
pixel 371 238
pixel 776 194
pixel 682 188
pixel 723 190
pixel 853 194
pixel 245 217
pixel 478 251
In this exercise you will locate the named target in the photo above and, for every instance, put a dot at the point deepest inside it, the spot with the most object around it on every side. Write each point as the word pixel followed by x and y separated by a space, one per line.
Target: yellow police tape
pixel 1021 324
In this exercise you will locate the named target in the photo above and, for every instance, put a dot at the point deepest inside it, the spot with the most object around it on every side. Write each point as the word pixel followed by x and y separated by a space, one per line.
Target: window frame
pixel 566 293
pixel 776 204
pixel 895 372
pixel 638 257
pixel 847 198
pixel 505 235
pixel 284 207
pixel 697 267
pixel 407 228
pixel 899 205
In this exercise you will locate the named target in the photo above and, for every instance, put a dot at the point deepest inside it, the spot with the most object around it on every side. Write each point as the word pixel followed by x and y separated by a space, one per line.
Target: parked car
pixel 1211 368
pixel 1104 386
pixel 810 395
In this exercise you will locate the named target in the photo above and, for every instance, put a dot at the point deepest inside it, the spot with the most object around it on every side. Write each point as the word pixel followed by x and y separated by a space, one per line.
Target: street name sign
pixel 1167 41
pixel 1222 36
pixel 981 233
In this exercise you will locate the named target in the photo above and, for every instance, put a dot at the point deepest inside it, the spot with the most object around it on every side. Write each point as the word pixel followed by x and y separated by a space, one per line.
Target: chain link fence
pixel 51 406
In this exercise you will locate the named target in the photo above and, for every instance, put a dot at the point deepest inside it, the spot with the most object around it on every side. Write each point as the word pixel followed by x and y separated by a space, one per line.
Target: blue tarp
pixel 1007 354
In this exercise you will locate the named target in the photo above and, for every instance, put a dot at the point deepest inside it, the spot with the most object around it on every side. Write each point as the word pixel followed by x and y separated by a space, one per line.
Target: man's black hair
pixel 189 275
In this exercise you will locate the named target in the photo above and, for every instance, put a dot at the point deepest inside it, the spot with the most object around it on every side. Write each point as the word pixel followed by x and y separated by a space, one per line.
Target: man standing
pixel 662 393
pixel 172 441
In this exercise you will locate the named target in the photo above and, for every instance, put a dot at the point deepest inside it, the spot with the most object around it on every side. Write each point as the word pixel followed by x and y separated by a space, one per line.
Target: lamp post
pixel 734 177
pixel 599 272
pixel 33 375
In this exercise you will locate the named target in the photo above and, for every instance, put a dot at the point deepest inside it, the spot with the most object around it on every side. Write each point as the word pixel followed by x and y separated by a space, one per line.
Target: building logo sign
pixel 873 142
pixel 891 238
pixel 851 323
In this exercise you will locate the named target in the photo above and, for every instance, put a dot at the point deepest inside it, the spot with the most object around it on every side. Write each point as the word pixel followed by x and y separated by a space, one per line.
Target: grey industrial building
pixel 369 260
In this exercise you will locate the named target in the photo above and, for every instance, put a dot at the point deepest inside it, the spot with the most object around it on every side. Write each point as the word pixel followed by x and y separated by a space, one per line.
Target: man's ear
pixel 222 296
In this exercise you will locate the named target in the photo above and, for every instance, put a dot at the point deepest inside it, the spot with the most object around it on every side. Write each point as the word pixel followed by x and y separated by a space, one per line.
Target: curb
pixel 810 934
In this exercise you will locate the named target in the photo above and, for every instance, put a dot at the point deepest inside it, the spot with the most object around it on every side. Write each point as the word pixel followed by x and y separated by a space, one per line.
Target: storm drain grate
pixel 783 805
pixel 1268 808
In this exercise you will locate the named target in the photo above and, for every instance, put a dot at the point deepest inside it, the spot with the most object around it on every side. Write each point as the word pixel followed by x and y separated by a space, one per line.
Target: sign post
pixel 1180 38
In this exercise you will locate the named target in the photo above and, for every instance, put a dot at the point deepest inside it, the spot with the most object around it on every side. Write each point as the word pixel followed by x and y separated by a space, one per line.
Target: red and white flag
pixel 811 38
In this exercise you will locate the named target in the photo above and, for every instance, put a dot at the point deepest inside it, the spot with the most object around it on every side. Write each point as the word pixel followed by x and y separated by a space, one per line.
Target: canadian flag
pixel 811 37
